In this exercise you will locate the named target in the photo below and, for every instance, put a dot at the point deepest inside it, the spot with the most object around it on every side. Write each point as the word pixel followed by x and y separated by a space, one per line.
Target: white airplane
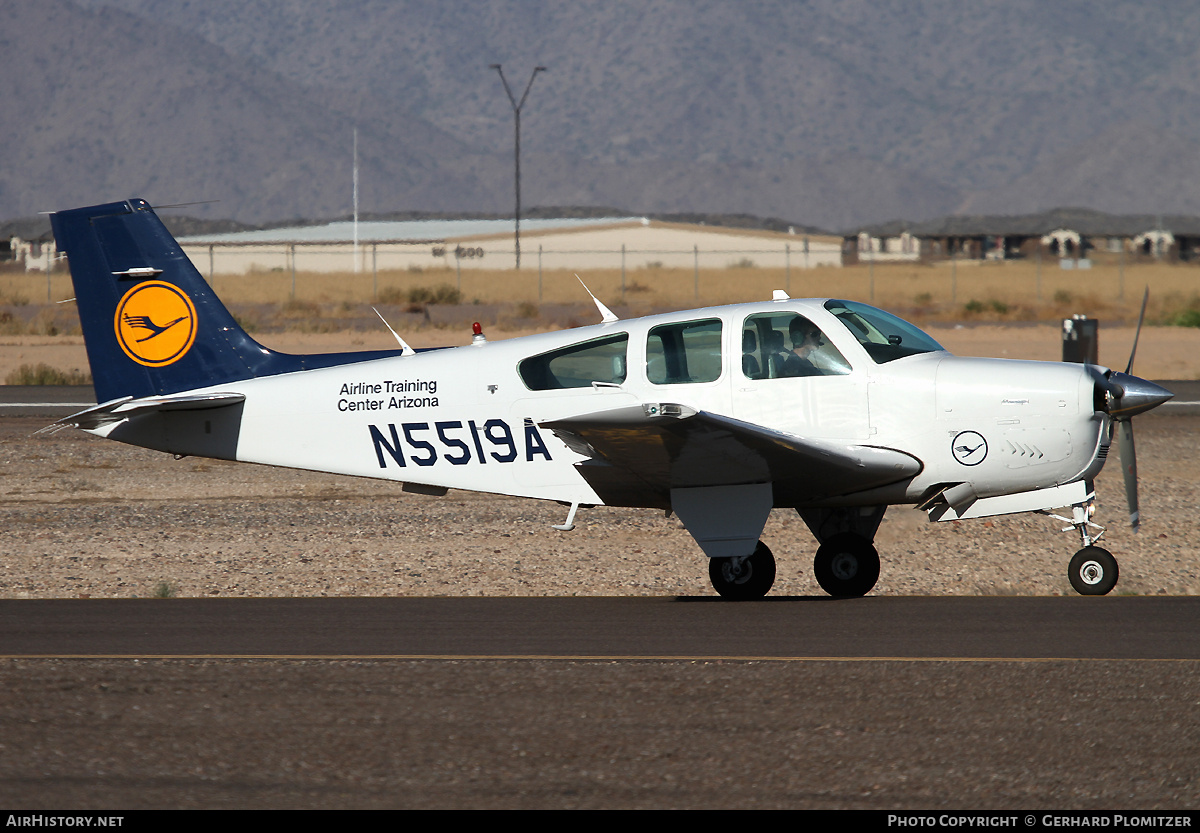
pixel 829 407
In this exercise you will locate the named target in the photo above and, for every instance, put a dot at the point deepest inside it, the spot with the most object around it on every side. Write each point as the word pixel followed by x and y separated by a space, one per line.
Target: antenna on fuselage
pixel 606 315
pixel 405 350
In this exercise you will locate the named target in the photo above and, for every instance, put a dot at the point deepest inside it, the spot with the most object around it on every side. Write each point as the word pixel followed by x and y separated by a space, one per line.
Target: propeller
pixel 1126 395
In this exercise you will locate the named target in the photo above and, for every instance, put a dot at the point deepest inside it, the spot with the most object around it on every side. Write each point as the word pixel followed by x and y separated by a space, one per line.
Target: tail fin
pixel 151 323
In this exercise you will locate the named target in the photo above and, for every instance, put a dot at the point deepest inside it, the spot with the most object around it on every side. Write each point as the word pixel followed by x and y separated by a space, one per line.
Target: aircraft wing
pixel 638 454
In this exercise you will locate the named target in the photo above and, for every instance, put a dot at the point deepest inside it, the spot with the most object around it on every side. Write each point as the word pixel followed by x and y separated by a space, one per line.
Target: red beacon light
pixel 477 336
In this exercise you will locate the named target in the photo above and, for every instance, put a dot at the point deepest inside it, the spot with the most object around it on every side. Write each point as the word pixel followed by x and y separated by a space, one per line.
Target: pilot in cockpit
pixel 806 338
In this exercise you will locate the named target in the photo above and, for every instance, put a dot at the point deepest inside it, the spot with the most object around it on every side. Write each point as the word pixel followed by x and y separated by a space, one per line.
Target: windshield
pixel 884 336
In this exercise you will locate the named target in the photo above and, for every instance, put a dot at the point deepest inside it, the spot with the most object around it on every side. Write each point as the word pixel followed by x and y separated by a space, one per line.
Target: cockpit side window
pixel 884 336
pixel 579 365
pixel 779 345
pixel 684 353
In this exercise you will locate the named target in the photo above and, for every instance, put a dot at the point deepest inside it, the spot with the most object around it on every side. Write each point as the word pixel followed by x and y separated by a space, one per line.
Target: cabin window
pixel 779 345
pixel 578 366
pixel 684 353
pixel 884 336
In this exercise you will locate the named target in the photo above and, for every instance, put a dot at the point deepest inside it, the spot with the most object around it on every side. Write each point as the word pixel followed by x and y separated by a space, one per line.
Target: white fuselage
pixel 464 418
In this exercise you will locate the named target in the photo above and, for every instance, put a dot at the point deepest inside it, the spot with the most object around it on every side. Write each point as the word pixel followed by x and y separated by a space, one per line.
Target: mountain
pixel 114 105
pixel 824 112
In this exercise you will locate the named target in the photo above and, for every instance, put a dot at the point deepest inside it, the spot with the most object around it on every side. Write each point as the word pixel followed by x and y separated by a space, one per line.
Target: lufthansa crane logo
pixel 969 448
pixel 155 323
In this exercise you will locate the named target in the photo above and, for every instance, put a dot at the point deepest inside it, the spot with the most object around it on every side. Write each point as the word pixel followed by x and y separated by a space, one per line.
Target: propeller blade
pixel 1129 469
pixel 1137 334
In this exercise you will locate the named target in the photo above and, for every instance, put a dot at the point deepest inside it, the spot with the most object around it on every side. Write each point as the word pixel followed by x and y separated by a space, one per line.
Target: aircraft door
pixel 791 377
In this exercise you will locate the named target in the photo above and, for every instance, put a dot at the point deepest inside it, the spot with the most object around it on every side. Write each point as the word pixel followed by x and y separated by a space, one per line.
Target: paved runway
pixel 1166 628
pixel 50 401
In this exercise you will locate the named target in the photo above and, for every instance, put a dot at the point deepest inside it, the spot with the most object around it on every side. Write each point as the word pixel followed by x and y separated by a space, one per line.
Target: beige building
pixel 606 243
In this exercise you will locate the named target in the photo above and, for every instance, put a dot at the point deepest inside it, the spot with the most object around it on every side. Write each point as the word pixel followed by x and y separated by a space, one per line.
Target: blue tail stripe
pixel 111 248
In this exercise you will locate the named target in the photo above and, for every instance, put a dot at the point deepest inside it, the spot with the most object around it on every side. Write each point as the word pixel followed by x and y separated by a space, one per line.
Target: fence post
pixel 1120 273
pixel 696 271
pixel 622 271
pixel 1039 271
pixel 954 276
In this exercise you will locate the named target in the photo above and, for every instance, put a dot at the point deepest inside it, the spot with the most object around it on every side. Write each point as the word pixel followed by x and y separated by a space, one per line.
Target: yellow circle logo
pixel 155 323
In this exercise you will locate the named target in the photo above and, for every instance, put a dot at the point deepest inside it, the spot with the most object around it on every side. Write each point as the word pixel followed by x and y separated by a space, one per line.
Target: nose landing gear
pixel 1093 571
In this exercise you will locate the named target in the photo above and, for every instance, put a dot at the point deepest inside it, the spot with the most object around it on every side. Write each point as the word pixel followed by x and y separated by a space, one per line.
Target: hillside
pixel 827 113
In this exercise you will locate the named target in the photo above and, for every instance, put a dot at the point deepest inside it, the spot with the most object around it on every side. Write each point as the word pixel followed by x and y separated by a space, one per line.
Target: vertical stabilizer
pixel 151 323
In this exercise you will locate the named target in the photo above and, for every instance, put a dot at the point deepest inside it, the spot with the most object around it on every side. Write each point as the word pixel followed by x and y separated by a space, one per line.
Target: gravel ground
pixel 85 517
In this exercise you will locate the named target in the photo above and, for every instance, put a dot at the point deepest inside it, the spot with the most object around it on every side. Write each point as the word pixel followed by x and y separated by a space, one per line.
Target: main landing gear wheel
pixel 1093 571
pixel 847 565
pixel 743 578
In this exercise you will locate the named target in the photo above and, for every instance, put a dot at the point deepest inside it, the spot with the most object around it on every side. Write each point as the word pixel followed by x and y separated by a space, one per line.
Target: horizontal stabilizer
pixel 124 408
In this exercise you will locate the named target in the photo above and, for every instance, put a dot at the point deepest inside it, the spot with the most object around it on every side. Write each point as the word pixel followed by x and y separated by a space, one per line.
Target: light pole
pixel 517 105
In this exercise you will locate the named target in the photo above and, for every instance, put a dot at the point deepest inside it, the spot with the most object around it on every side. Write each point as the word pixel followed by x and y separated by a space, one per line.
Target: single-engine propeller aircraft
pixel 829 407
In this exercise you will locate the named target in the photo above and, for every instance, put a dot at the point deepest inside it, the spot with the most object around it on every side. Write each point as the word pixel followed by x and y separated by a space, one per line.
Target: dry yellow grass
pixel 1032 290
pixel 934 291
pixel 1012 291
pixel 18 287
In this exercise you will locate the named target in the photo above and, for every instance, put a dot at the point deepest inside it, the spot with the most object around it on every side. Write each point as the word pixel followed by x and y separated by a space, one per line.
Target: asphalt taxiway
pixel 688 628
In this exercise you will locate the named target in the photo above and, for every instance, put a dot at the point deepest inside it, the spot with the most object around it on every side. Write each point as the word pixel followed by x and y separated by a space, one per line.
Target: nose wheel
pixel 1093 571
pixel 743 578
pixel 847 565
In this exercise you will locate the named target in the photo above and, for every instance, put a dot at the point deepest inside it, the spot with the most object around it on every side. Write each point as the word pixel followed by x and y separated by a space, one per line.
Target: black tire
pixel 1093 571
pixel 749 580
pixel 847 565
